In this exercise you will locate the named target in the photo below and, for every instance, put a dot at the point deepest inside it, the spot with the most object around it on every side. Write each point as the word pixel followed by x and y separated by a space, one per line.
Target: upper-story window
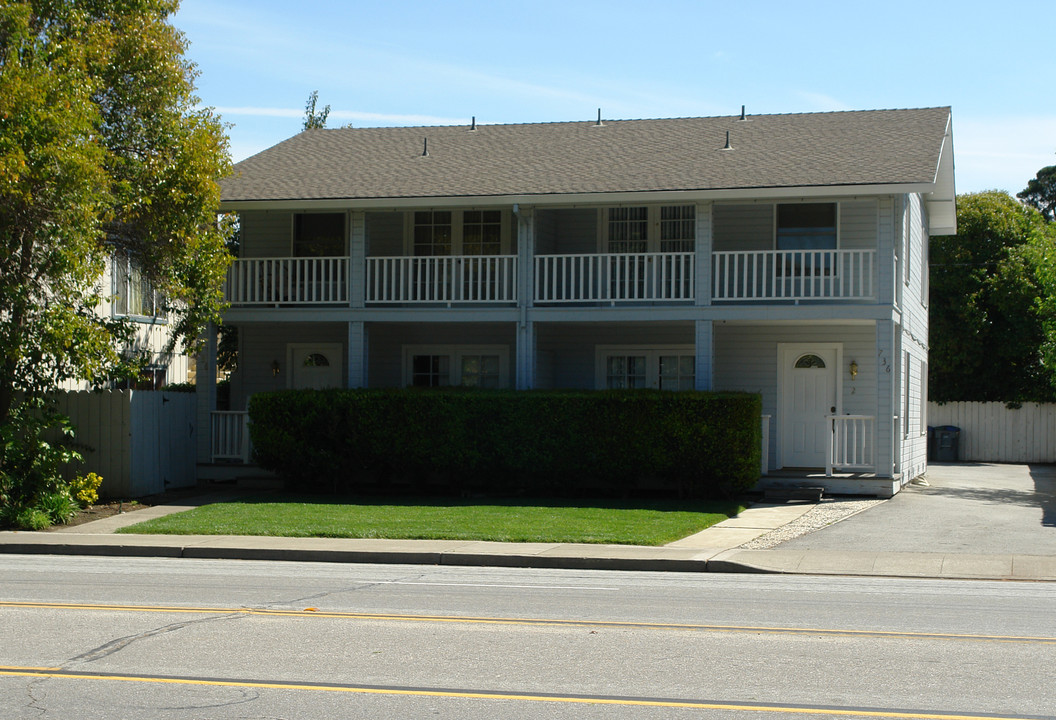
pixel 458 232
pixel 481 232
pixel 134 295
pixel 650 229
pixel 432 232
pixel 806 226
pixel 319 234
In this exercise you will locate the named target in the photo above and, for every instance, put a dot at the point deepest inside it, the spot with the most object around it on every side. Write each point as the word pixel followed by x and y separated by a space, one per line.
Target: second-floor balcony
pixel 593 278
pixel 769 275
pixel 442 279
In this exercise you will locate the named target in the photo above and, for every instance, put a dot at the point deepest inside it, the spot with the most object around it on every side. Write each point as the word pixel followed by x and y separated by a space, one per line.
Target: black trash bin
pixel 947 443
pixel 931 444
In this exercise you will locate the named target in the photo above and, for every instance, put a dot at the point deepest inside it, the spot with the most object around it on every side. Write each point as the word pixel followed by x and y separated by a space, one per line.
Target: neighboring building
pixel 779 254
pixel 126 293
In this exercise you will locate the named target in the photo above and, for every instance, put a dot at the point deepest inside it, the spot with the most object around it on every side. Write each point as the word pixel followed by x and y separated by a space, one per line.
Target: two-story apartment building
pixel 779 254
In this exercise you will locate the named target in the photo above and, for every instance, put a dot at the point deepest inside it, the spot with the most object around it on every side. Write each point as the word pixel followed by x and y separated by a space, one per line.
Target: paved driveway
pixel 965 508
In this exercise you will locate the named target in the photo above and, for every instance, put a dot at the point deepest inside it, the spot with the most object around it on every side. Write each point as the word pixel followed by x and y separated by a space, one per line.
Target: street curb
pixel 424 557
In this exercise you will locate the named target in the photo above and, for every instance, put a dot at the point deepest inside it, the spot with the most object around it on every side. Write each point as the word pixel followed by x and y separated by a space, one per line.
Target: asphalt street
pixel 179 638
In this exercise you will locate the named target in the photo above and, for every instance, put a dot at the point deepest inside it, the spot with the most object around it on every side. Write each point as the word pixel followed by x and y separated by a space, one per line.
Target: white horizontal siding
pixel 569 349
pixel 384 234
pixel 262 344
pixel 566 231
pixel 265 233
pixel 858 226
pixel 742 227
pixel 746 360
pixel 385 343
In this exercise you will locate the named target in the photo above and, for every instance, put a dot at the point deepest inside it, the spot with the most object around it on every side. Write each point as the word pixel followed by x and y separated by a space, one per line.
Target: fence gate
pixel 141 442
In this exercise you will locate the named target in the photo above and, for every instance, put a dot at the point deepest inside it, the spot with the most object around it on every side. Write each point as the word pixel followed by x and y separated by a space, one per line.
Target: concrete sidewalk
pixel 713 550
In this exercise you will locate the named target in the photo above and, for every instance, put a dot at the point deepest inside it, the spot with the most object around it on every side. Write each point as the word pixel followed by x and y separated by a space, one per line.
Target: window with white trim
pixel 318 234
pixel 134 294
pixel 483 366
pixel 806 226
pixel 668 228
pixel 629 367
pixel 459 232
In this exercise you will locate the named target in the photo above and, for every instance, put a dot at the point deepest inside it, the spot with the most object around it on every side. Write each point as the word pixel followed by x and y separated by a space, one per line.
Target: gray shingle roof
pixel 769 151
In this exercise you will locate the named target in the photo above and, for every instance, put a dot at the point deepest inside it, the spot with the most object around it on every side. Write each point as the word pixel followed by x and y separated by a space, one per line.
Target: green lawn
pixel 646 523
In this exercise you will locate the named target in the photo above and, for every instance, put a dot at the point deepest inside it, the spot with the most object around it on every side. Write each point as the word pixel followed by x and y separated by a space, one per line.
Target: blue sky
pixel 401 62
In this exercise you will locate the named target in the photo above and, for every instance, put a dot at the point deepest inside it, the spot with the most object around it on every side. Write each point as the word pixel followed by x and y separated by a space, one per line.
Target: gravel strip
pixel 827 512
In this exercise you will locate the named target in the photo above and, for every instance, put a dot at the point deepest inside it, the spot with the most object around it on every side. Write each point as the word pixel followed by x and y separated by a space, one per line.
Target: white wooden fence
pixel 140 442
pixel 990 432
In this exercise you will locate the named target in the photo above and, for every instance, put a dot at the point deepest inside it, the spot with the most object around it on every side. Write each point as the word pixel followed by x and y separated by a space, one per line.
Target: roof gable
pixel 817 150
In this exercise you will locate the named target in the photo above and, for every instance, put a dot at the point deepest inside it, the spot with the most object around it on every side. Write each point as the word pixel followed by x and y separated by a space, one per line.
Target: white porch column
pixel 205 380
pixel 702 259
pixel 357 354
pixel 525 355
pixel 888 367
pixel 357 259
pixel 525 352
pixel 705 353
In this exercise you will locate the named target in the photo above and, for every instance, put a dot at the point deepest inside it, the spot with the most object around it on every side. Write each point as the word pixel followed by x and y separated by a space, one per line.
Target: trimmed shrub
pixel 510 442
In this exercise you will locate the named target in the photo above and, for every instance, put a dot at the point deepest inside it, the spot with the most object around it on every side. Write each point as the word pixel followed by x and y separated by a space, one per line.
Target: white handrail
pixel 614 277
pixel 442 279
pixel 793 275
pixel 853 443
pixel 287 281
pixel 229 435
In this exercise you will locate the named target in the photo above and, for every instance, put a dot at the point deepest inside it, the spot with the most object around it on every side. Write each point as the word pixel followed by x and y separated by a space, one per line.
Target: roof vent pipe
pixel 473 126
pixel 728 146
pixel 425 147
pixel 599 123
pixel 743 117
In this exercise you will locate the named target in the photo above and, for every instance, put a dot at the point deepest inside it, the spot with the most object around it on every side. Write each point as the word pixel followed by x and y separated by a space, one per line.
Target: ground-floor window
pixel 484 366
pixel 663 368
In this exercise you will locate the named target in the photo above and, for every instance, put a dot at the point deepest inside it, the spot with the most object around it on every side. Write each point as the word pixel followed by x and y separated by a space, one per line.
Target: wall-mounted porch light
pixel 275 368
pixel 854 369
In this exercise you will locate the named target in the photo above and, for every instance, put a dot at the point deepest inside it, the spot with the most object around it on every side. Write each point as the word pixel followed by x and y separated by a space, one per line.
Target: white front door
pixel 314 366
pixel 809 393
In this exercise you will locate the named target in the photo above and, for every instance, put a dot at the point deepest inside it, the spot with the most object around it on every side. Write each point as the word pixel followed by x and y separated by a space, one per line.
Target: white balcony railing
pixel 229 436
pixel 287 281
pixel 853 443
pixel 442 279
pixel 614 278
pixel 793 275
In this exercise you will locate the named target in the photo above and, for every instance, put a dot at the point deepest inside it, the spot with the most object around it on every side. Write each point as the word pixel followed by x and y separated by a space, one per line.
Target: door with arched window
pixel 315 366
pixel 808 393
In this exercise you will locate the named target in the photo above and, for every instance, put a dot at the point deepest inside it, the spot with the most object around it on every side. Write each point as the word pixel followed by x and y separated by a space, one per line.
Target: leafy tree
pixel 993 287
pixel 1040 192
pixel 315 120
pixel 102 150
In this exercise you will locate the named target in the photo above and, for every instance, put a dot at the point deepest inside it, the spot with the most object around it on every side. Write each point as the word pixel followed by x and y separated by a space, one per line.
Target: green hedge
pixel 509 442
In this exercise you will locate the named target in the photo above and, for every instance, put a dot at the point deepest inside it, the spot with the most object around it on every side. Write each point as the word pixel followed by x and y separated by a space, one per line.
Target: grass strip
pixel 546 521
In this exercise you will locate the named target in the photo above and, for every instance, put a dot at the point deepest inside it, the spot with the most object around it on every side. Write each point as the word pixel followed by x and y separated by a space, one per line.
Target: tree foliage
pixel 993 287
pixel 102 149
pixel 1040 192
pixel 315 120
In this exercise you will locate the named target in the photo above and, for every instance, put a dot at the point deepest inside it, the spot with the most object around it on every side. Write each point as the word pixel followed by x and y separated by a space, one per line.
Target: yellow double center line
pixel 59 673
pixel 314 613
